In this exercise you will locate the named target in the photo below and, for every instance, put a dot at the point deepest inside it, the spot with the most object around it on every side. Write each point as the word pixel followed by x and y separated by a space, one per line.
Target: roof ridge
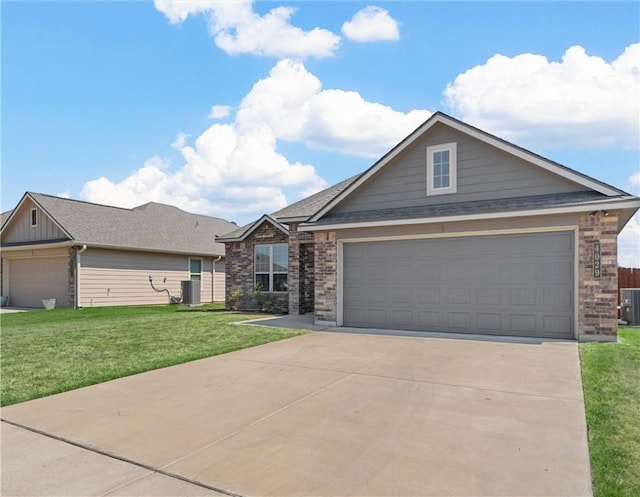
pixel 56 197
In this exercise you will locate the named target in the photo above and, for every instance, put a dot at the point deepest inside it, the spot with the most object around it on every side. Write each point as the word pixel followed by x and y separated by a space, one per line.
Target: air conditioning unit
pixel 191 292
pixel 630 305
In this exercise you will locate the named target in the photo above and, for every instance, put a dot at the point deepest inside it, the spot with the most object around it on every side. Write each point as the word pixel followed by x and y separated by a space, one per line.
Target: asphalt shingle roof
pixel 151 226
pixel 460 208
pixel 307 207
pixel 304 208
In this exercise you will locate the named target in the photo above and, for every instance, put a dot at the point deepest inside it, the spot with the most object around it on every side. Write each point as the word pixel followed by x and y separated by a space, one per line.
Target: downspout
pixel 213 279
pixel 78 266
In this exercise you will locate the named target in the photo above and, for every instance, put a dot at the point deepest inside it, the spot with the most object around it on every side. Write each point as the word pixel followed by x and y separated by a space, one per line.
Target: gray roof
pixel 152 226
pixel 307 207
pixel 4 216
pixel 475 207
pixel 245 230
pixel 303 209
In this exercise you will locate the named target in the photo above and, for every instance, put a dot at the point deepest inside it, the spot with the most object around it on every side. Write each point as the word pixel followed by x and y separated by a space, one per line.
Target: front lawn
pixel 47 352
pixel 611 378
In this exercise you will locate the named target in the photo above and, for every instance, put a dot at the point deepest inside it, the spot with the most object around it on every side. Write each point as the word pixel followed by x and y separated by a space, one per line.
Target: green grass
pixel 611 378
pixel 47 352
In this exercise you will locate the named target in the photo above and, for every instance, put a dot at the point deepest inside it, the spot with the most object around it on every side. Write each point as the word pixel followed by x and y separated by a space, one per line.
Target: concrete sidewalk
pixel 318 414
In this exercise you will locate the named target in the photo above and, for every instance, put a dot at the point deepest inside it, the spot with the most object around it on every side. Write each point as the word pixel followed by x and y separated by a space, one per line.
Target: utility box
pixel 191 292
pixel 630 305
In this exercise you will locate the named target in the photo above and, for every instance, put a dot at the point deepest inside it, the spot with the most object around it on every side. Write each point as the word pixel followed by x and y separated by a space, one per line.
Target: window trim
pixel 271 272
pixel 33 215
pixel 452 148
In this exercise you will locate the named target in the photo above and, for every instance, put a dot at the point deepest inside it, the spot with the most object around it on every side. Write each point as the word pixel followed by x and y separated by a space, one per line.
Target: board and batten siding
pixel 483 173
pixel 22 231
pixel 118 277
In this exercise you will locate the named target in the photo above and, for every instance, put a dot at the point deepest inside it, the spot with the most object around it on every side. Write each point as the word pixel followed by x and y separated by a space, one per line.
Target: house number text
pixel 597 268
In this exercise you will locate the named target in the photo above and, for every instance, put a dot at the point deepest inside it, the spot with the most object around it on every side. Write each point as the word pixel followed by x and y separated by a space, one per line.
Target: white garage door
pixel 500 285
pixel 31 280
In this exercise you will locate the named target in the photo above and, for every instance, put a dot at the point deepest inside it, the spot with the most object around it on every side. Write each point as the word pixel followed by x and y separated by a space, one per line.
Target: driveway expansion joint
pixel 122 459
pixel 361 372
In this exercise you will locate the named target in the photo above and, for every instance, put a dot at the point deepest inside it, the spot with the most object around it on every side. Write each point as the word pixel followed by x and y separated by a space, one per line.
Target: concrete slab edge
pixel 122 459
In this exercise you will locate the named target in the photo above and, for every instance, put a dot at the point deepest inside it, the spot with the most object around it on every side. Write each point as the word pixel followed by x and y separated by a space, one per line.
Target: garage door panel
pixel 556 325
pixel 557 243
pixel 557 271
pixel 522 296
pixel 31 280
pixel 489 296
pixel 401 272
pixel 459 272
pixel 402 318
pixel 489 321
pixel 460 321
pixel 486 246
pixel 427 296
pixel 523 322
pixel 428 319
pixel 426 271
pixel 489 271
pixel 375 295
pixel 499 284
pixel 458 296
pixel 402 295
pixel 557 297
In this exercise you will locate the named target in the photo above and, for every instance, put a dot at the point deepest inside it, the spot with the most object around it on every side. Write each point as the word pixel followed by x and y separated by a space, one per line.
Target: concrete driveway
pixel 321 414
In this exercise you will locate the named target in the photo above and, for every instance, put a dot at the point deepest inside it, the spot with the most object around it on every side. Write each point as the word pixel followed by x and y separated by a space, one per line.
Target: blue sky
pixel 234 109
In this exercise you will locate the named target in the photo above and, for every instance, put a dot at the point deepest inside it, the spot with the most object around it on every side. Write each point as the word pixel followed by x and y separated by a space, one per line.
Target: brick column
pixel 298 303
pixel 326 282
pixel 598 296
pixel 293 277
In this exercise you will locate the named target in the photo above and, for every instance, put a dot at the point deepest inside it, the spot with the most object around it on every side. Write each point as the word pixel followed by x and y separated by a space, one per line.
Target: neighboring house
pixel 89 255
pixel 453 230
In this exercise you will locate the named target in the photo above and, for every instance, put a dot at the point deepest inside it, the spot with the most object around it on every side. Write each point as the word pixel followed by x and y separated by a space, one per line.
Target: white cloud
pixel 629 243
pixel 581 101
pixel 371 24
pixel 235 170
pixel 180 141
pixel 237 29
pixel 65 194
pixel 634 180
pixel 291 101
pixel 219 111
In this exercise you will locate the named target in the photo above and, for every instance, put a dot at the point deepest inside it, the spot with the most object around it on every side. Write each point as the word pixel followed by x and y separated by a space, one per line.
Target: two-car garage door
pixel 516 284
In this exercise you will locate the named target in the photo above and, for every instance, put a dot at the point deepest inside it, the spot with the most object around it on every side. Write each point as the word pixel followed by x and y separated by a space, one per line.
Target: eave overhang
pixel 628 206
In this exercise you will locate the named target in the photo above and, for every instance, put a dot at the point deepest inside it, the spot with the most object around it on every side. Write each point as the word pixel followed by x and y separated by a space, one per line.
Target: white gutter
pixel 78 267
pixel 611 205
pixel 72 243
pixel 34 246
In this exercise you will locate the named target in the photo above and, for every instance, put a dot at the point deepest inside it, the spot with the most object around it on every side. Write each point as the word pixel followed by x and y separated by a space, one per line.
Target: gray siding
pixel 22 231
pixel 483 173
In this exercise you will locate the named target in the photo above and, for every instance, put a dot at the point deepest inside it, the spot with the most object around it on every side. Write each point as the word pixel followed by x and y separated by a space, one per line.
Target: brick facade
pixel 301 271
pixel 326 280
pixel 597 296
pixel 239 284
pixel 312 277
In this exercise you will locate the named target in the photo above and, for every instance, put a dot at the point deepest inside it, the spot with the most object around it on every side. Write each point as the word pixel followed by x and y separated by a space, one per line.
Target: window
pixel 34 218
pixel 442 169
pixel 195 269
pixel 271 266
